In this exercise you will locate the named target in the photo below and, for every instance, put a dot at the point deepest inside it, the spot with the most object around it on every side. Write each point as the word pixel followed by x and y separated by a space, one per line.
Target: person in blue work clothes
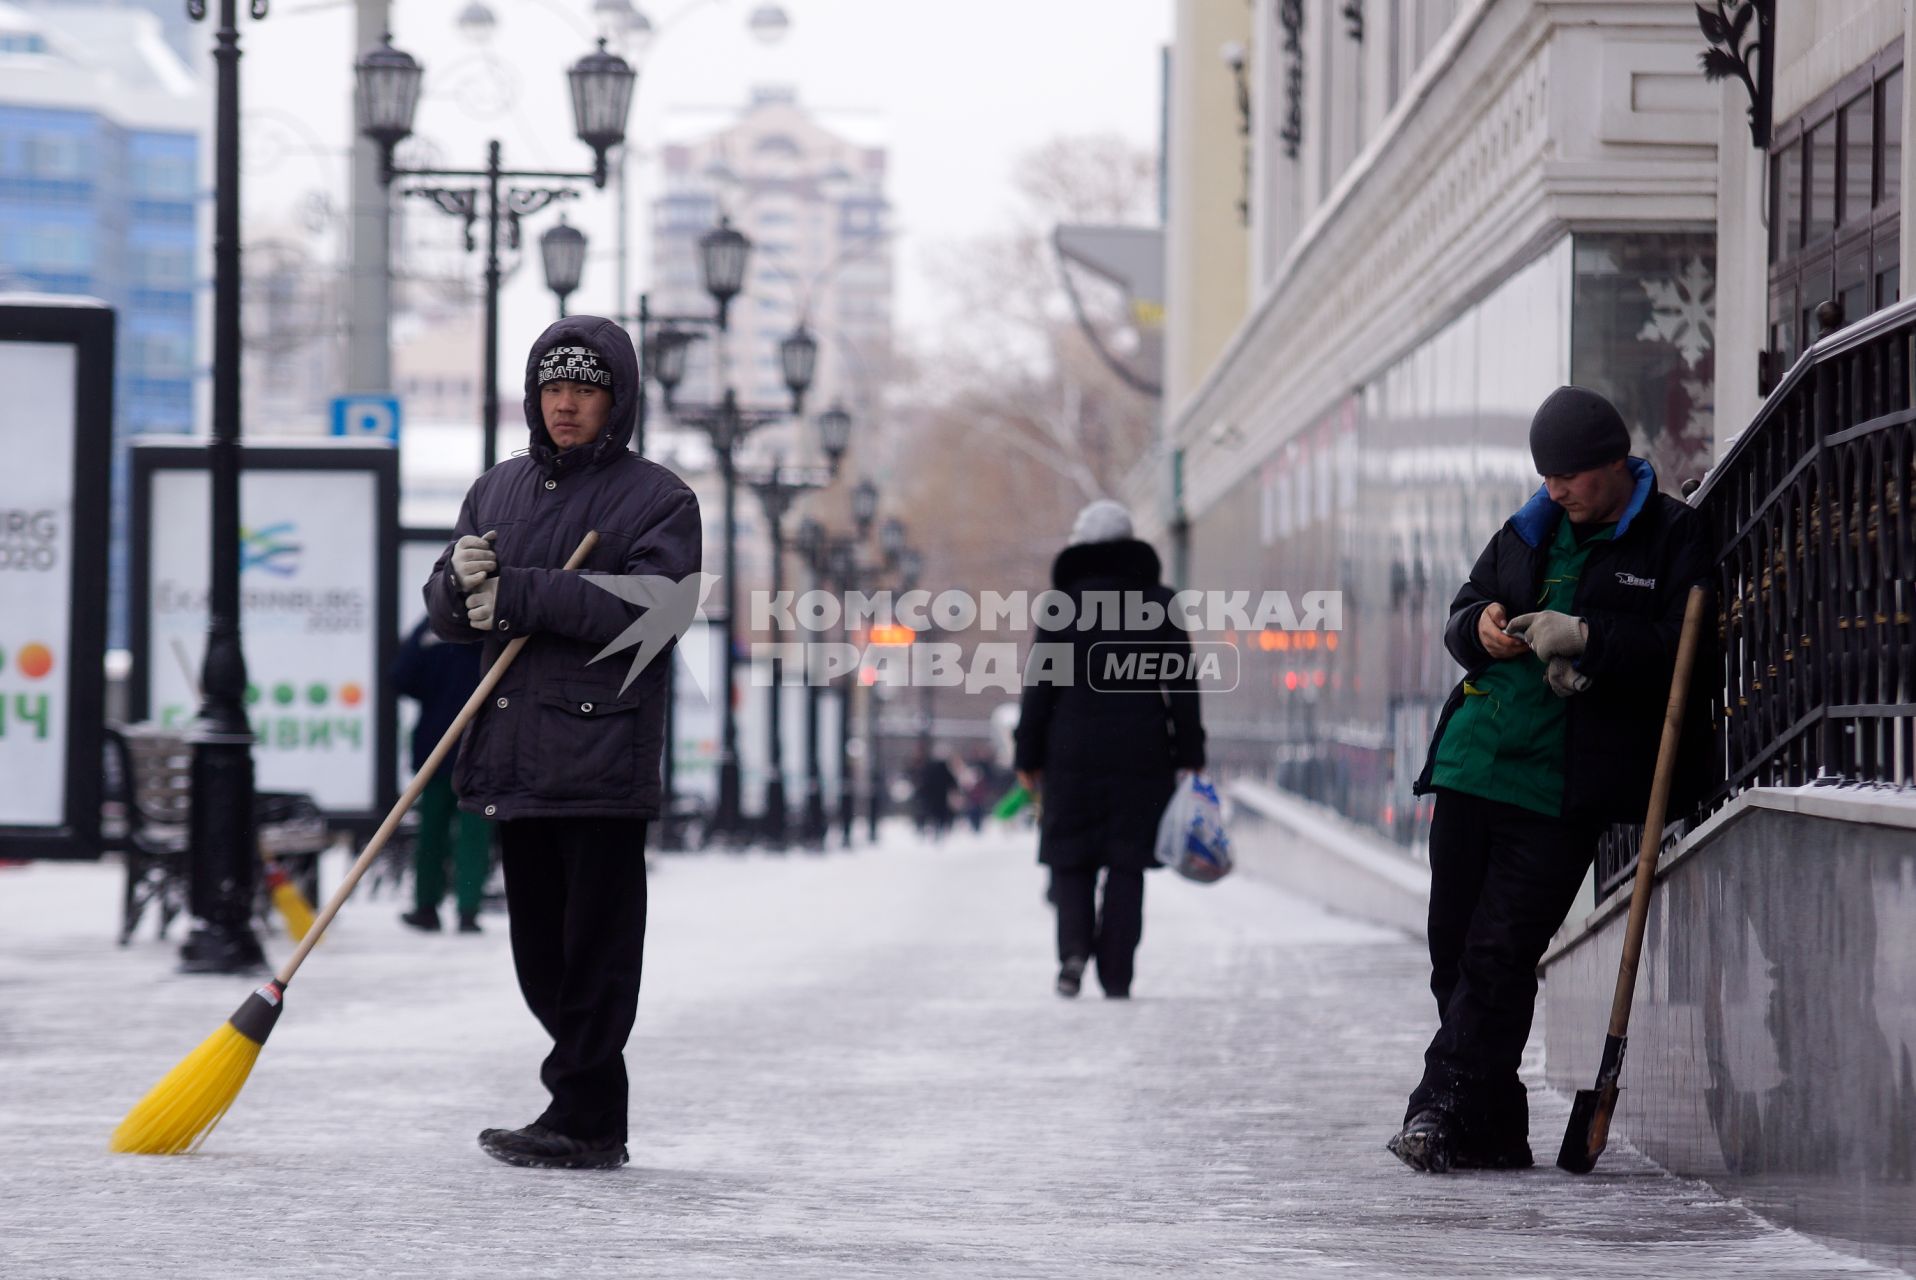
pixel 440 677
pixel 1567 632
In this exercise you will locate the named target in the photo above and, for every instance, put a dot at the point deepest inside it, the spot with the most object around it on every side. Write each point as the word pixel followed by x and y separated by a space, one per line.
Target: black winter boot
pixel 537 1147
pixel 424 919
pixel 1427 1142
pixel 1071 977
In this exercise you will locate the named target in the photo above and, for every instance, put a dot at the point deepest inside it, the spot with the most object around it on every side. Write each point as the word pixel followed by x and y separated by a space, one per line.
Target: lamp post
pixel 810 545
pixel 562 251
pixel 387 85
pixel 776 491
pixel 841 559
pixel 665 339
pixel 224 863
pixel 911 563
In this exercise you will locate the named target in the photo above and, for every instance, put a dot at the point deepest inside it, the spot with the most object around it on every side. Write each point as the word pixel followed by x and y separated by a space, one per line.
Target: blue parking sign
pixel 366 418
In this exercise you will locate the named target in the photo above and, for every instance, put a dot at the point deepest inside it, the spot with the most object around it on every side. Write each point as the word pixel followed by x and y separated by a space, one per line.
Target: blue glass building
pixel 100 128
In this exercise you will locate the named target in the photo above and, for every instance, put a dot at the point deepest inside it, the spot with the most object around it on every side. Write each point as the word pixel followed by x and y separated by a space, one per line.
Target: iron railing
pixel 1811 512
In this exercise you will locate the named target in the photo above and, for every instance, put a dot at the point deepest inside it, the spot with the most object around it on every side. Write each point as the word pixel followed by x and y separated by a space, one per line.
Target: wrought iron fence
pixel 1811 512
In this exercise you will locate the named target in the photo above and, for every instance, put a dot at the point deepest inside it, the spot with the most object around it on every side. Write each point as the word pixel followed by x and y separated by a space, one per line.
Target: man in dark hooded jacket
pixel 1103 755
pixel 565 757
pixel 1567 632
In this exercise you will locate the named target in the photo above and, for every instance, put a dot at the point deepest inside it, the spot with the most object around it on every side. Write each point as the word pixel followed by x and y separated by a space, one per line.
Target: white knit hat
pixel 1102 521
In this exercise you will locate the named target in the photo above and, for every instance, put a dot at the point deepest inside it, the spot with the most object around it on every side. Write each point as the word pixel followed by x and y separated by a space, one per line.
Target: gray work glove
pixel 1551 635
pixel 479 605
pixel 1564 679
pixel 474 560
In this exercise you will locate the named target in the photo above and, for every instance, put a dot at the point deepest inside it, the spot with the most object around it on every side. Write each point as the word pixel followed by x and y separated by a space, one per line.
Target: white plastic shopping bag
pixel 1191 838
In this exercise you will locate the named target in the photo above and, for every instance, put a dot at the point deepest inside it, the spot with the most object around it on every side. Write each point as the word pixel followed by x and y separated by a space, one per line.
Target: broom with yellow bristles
pixel 180 1111
pixel 287 898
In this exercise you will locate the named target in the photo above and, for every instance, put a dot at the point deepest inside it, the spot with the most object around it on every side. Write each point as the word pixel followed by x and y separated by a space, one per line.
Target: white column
pixel 1742 263
pixel 369 290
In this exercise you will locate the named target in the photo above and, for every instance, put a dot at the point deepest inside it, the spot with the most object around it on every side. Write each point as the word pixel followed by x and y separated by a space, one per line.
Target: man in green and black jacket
pixel 1567 633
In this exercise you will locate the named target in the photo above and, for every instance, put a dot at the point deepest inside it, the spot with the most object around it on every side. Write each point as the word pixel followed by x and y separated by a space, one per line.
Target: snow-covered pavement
pixel 848 1065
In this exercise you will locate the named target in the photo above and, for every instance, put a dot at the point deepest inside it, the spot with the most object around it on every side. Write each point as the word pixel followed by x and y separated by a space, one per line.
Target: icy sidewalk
pixel 848 1065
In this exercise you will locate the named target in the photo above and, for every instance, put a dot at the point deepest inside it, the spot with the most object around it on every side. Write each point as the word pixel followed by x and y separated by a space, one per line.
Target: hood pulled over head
pixel 606 352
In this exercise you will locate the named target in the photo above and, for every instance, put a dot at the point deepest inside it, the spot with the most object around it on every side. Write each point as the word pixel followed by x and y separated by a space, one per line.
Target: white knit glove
pixel 479 605
pixel 1550 634
pixel 474 560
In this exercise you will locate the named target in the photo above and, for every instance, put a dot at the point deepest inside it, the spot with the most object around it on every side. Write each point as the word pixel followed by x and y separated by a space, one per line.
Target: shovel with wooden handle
pixel 1590 1114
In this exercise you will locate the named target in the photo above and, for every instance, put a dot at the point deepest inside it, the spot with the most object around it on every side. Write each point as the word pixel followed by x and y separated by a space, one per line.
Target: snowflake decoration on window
pixel 1683 312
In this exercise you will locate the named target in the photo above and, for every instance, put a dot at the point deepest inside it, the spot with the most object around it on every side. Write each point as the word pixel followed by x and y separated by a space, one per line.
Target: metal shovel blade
pixel 1589 1129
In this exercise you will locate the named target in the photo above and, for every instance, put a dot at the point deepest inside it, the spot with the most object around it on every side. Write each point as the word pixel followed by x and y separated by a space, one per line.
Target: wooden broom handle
pixel 1652 842
pixel 413 789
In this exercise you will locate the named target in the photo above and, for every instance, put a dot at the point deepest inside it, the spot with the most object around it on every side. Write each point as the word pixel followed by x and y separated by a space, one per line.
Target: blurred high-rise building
pixel 813 203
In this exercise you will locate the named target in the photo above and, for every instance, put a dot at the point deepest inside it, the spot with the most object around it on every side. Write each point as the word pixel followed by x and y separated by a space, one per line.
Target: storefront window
pixel 1835 221
pixel 1859 150
pixel 1644 333
pixel 1820 166
pixel 1787 185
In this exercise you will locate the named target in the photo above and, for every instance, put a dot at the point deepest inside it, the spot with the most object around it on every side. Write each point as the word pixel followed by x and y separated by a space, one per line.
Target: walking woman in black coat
pixel 1103 744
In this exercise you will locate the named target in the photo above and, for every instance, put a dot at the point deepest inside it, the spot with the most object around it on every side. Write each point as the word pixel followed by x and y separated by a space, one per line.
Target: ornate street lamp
pixel 723 252
pixel 476 22
pixel 798 358
pixel 602 84
pixel 864 506
pixel 891 540
pixel 386 90
pixel 669 347
pixel 835 433
pixel 562 249
pixel 386 86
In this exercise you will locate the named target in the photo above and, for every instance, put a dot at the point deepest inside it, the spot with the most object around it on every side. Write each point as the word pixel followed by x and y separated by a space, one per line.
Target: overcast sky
pixel 957 93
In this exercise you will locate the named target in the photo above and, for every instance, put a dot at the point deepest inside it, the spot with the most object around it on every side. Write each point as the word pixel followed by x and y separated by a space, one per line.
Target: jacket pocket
pixel 584 744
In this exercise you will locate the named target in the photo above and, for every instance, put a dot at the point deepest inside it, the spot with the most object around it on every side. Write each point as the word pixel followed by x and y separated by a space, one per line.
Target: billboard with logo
pixel 56 431
pixel 318 533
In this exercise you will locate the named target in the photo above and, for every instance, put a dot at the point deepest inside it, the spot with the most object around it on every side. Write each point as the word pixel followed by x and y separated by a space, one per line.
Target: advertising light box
pixel 318 530
pixel 56 431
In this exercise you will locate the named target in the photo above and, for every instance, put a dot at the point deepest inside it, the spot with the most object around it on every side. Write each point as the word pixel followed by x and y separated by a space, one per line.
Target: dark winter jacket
pixel 558 738
pixel 1110 754
pixel 440 677
pixel 1632 593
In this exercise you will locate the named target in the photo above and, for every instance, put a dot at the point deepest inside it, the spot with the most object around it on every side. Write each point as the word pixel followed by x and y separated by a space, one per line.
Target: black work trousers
pixel 575 888
pixel 1501 881
pixel 1109 934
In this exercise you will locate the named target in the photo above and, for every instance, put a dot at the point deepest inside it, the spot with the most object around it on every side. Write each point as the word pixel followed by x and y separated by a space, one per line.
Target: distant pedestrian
pixel 932 785
pixel 440 677
pixel 1567 633
pixel 976 787
pixel 565 757
pixel 1104 754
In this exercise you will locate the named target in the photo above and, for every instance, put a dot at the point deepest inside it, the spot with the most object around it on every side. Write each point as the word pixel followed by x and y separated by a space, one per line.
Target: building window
pixel 1836 198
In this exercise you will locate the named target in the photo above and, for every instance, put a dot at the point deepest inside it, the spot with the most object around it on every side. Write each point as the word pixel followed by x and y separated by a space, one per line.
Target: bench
pixel 147 817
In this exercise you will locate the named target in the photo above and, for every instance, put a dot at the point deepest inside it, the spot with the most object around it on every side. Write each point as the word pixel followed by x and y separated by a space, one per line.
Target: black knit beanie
pixel 1575 430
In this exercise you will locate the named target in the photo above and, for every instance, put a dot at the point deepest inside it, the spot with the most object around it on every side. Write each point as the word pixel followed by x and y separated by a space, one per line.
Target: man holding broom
pixel 1567 632
pixel 565 755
